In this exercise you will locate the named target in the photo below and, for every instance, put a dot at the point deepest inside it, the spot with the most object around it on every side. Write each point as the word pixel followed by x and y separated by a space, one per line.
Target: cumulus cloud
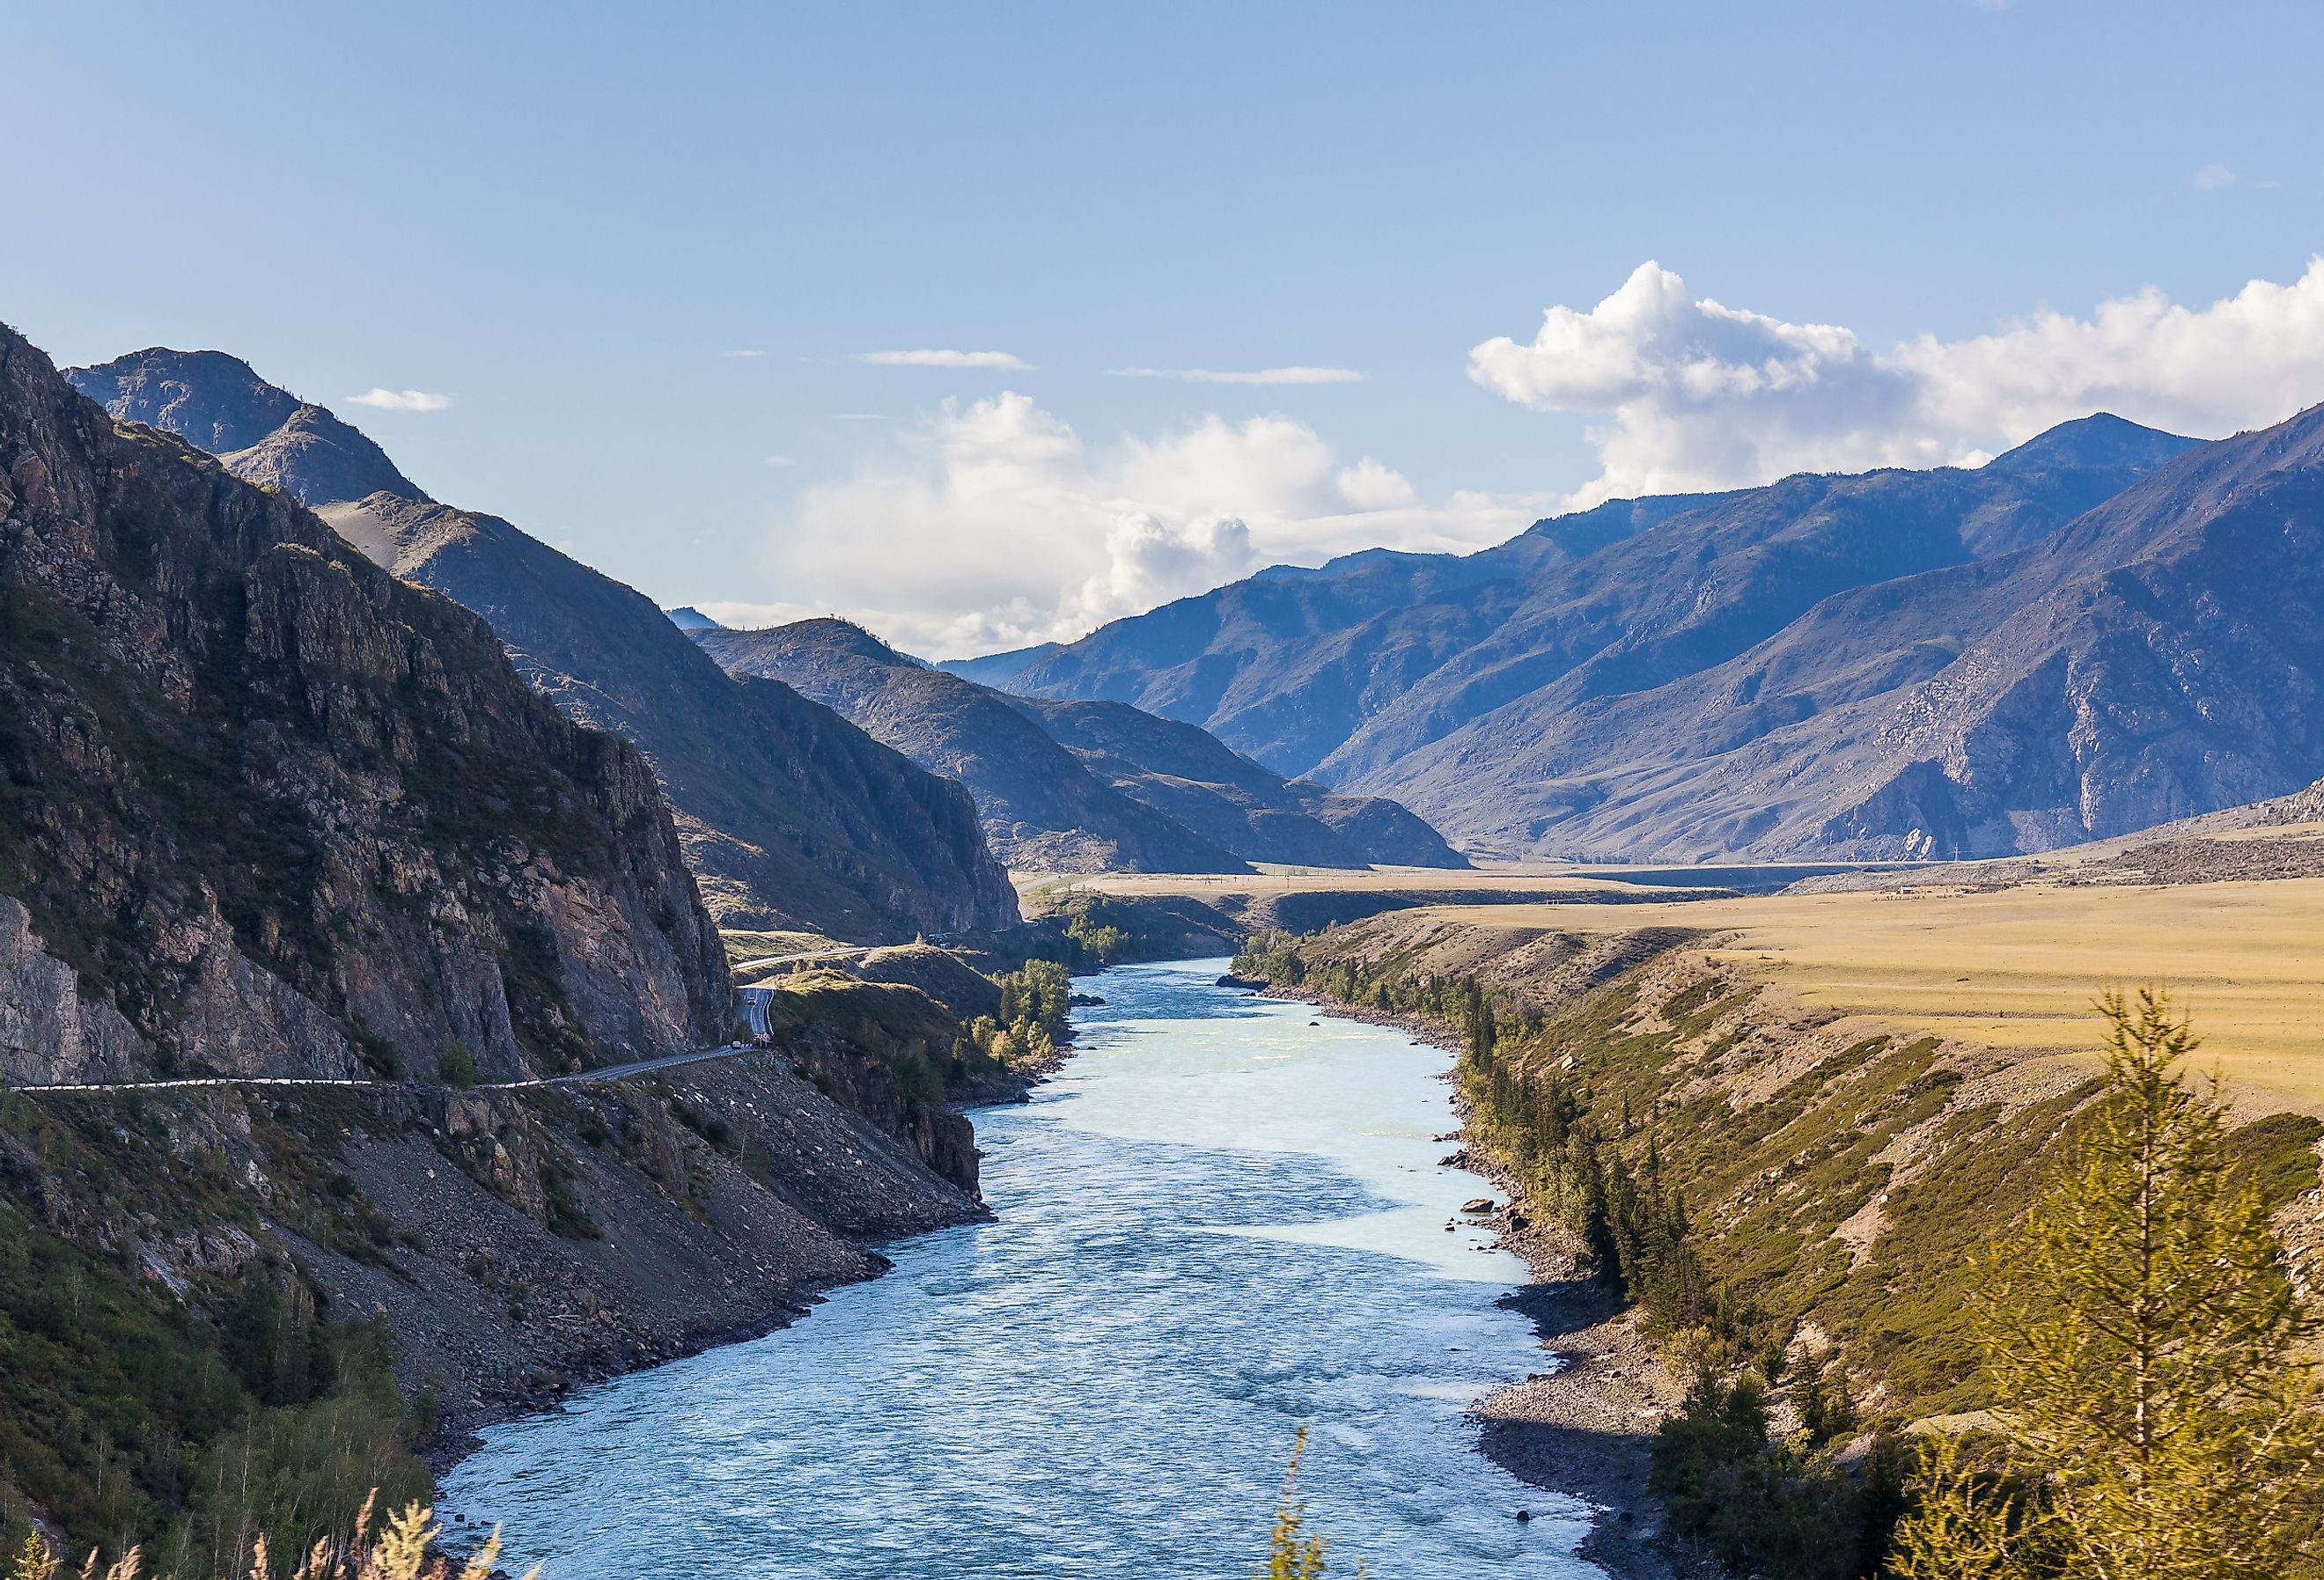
pixel 401 400
pixel 1694 394
pixel 994 524
pixel 1257 375
pixel 2212 177
pixel 935 359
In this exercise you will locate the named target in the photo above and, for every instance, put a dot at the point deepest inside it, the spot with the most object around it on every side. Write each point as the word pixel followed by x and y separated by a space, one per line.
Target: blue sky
pixel 562 220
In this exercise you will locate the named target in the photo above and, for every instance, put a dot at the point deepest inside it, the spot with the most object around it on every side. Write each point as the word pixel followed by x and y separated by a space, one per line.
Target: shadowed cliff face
pixel 789 815
pixel 280 813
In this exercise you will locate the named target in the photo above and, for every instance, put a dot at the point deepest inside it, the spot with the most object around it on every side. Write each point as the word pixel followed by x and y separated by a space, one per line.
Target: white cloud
pixel 1258 376
pixel 1696 394
pixel 401 400
pixel 994 525
pixel 756 616
pixel 735 354
pixel 782 460
pixel 1000 359
pixel 2212 177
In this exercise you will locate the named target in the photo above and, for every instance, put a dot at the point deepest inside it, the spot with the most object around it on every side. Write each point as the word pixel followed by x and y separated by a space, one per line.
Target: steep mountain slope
pixel 1342 670
pixel 1586 696
pixel 1042 809
pixel 1286 664
pixel 2152 660
pixel 266 809
pixel 790 817
pixel 1187 773
pixel 1082 786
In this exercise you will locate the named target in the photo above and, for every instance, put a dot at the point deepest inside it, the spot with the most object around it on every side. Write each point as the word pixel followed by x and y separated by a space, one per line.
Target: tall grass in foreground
pixel 393 1546
pixel 399 1546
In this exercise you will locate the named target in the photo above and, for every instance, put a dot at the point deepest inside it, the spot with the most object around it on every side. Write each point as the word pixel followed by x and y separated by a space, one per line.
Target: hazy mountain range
pixel 1080 787
pixel 2106 628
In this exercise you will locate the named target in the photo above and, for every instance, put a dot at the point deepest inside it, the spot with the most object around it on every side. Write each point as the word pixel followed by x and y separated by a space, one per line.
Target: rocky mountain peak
pixel 261 432
pixel 2100 439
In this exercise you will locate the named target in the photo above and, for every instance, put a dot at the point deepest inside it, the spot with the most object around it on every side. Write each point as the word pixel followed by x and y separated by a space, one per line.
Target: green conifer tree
pixel 2157 1413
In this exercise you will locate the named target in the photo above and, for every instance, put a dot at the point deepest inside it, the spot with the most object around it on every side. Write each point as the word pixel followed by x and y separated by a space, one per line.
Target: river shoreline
pixel 1585 1428
pixel 1581 1429
pixel 459 1436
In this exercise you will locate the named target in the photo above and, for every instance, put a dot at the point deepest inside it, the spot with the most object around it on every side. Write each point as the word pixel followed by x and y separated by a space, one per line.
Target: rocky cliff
pixel 789 817
pixel 277 812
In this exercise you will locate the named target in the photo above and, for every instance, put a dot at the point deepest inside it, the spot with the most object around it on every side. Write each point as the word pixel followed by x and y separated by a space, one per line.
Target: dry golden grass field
pixel 2018 967
pixel 1288 880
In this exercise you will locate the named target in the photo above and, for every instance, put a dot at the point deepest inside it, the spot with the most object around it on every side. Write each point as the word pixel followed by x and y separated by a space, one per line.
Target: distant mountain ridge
pixel 1706 676
pixel 1080 787
pixel 995 669
pixel 789 815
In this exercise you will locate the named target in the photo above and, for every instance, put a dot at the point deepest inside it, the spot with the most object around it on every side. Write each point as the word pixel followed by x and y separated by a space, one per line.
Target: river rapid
pixel 1220 1223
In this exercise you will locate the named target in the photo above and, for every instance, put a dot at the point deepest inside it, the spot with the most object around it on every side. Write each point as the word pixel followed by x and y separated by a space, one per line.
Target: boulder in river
pixel 1477 1204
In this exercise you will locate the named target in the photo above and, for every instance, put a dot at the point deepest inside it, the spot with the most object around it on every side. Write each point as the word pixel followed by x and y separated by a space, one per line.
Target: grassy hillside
pixel 2014 969
pixel 1837 1164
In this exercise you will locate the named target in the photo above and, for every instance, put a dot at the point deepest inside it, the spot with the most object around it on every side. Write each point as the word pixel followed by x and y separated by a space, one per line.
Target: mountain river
pixel 1224 1219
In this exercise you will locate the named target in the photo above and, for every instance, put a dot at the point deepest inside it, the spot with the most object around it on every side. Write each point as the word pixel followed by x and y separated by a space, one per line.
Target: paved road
pixel 611 1072
pixel 835 953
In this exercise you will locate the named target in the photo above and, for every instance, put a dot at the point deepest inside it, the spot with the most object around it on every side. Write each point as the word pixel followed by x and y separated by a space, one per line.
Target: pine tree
pixel 2157 1408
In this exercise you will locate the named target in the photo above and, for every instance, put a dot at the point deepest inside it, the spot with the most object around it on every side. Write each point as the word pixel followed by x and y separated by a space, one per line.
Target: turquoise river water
pixel 1220 1223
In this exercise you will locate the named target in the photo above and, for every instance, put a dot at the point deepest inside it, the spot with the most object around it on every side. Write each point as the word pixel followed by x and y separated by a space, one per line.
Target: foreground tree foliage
pixel 2159 1410
pixel 1035 1001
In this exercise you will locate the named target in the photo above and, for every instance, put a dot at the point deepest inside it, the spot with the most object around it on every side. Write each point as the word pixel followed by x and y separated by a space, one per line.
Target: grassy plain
pixel 2017 968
